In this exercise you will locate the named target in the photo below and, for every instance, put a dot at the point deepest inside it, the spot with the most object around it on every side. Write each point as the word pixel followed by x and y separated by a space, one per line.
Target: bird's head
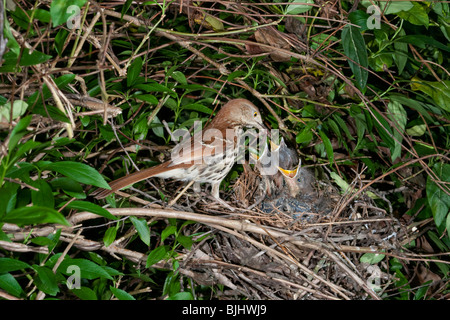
pixel 240 113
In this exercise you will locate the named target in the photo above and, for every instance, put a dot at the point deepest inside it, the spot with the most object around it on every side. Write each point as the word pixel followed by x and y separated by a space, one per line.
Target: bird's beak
pixel 274 147
pixel 292 174
pixel 262 129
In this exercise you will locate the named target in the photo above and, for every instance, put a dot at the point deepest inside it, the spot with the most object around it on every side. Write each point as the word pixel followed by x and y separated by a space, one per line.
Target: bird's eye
pixel 255 114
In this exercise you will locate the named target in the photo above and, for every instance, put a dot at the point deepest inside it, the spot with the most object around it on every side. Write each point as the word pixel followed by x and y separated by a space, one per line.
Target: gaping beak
pixel 292 174
pixel 289 174
pixel 274 147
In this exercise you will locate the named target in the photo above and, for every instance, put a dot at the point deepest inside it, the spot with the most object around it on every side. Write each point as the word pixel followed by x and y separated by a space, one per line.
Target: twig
pixel 20 247
pixel 174 200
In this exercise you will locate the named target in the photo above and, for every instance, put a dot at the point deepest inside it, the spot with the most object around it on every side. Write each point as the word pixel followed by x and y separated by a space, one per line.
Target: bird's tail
pixel 131 179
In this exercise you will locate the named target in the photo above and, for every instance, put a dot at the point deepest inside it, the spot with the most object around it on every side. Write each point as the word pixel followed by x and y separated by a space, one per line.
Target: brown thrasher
pixel 207 156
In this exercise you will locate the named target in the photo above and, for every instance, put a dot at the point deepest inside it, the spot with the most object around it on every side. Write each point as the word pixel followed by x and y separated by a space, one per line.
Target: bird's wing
pixel 202 147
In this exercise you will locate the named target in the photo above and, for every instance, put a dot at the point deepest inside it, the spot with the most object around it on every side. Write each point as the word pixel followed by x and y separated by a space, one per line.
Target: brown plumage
pixel 208 156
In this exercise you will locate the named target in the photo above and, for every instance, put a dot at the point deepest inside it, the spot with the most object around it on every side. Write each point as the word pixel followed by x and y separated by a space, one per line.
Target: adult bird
pixel 207 156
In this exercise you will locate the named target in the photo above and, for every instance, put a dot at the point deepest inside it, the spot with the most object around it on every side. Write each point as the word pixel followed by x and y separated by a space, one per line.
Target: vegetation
pixel 361 89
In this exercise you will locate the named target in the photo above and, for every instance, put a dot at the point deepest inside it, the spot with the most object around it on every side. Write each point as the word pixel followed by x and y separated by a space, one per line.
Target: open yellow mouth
pixel 291 174
pixel 274 148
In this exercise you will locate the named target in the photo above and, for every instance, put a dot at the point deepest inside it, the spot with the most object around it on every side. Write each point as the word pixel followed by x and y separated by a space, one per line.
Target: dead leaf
pixel 271 36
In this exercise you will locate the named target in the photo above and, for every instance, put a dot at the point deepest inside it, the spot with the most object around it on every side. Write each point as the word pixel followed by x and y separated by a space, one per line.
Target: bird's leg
pixel 215 193
pixel 215 190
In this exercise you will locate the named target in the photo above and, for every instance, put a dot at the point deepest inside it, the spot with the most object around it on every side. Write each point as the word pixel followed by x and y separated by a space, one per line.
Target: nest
pixel 303 247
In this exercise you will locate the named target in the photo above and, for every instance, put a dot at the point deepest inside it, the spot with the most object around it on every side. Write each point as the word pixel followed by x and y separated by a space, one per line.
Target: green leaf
pixel 125 7
pixel 110 236
pixel 420 40
pixel 395 6
pixel 79 172
pixel 236 74
pixel 142 229
pixel 167 232
pixel 421 291
pixel 343 126
pixel 155 87
pixel 90 207
pixel 439 91
pixel 88 269
pixel 20 170
pixel 85 293
pixel 328 146
pixel 9 265
pixel 31 59
pixel 147 98
pixel 417 130
pixel 437 241
pixel 340 182
pixel 299 8
pixel 8 198
pixel 44 196
pixel 19 108
pixel 305 136
pixel 60 11
pixel 9 60
pixel 172 284
pixel 438 199
pixel 389 7
pixel 198 107
pixel 444 23
pixel 156 125
pixel 401 282
pixel 181 296
pixel 361 128
pixel 60 40
pixel 12 44
pixel 356 50
pixel 156 255
pixel 372 258
pixel 179 77
pixel 359 18
pixel 185 241
pixel 383 129
pixel 416 15
pixel 34 215
pixel 111 271
pixel 121 294
pixel 18 132
pixel 69 186
pixel 401 53
pixel 414 104
pixel 42 241
pixel 215 23
pixel 397 114
pixel 46 280
pixel 10 285
pixel 447 225
pixel 22 149
pixel 133 71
